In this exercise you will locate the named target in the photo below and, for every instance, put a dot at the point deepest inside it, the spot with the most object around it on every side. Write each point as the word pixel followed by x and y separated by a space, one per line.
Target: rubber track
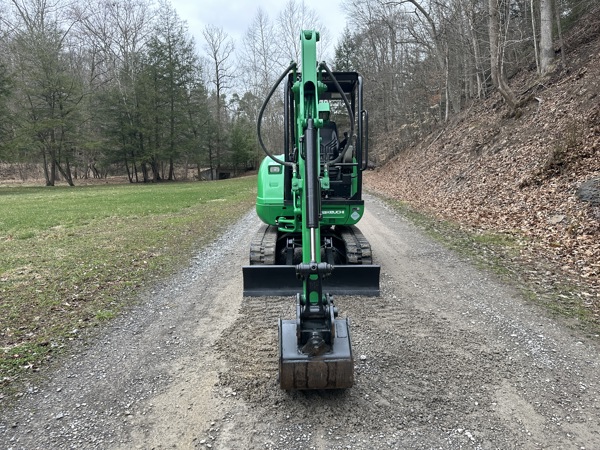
pixel 358 249
pixel 262 247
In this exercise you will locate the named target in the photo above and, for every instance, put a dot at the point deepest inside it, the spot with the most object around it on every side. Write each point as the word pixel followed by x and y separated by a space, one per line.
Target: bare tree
pixel 262 61
pixel 119 33
pixel 294 18
pixel 219 49
pixel 260 55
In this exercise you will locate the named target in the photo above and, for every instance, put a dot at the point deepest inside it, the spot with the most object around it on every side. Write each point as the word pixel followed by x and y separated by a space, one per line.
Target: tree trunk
pixel 172 169
pixel 496 57
pixel 66 174
pixel 46 172
pixel 210 162
pixel 135 170
pixel 52 169
pixel 535 41
pixel 446 86
pixel 546 44
pixel 561 43
pixel 145 173
pixel 129 171
pixel 155 170
pixel 187 167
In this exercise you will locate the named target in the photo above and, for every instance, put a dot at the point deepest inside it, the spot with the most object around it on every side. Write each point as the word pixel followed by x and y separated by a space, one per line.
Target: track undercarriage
pixel 339 245
pixel 275 255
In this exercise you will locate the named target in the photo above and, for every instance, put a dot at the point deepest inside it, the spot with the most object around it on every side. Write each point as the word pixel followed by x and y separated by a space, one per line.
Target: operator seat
pixel 330 150
pixel 330 145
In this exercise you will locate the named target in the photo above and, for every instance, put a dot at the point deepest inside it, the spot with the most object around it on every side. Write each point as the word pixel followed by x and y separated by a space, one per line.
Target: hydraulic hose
pixel 292 66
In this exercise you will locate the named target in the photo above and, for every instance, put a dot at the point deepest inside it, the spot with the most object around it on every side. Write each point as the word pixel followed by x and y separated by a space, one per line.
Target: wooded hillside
pixel 532 173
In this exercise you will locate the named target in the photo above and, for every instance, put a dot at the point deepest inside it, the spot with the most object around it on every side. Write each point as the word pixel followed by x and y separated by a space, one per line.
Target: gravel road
pixel 447 357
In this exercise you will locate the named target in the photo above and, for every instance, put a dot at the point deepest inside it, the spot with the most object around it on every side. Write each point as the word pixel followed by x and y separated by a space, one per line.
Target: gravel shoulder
pixel 447 357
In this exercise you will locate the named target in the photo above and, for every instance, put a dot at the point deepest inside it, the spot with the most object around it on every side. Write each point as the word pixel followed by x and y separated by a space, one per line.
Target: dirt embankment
pixel 534 175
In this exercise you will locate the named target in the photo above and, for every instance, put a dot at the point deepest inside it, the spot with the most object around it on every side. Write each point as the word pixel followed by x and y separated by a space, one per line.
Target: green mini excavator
pixel 310 199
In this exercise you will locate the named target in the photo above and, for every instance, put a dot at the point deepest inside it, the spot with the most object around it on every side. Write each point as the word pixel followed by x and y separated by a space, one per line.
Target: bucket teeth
pixel 316 374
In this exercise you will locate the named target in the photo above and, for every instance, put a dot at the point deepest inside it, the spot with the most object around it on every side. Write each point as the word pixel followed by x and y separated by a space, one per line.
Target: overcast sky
pixel 235 16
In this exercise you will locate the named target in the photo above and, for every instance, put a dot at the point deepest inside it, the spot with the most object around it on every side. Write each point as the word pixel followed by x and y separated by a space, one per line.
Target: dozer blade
pixel 331 370
pixel 277 280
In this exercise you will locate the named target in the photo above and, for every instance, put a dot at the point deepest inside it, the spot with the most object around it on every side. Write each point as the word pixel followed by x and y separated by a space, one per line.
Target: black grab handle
pixel 364 118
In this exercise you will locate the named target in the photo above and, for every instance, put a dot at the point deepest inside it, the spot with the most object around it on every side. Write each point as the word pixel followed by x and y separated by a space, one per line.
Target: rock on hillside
pixel 534 174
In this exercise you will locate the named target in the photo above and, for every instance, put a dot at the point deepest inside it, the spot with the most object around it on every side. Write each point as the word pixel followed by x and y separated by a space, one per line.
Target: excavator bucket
pixel 281 280
pixel 331 370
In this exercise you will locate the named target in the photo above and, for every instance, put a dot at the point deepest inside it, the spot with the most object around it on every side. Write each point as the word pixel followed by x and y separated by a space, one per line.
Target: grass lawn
pixel 71 258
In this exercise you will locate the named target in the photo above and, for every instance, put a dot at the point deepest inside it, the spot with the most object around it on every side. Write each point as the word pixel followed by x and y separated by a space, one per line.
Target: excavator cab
pixel 346 158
